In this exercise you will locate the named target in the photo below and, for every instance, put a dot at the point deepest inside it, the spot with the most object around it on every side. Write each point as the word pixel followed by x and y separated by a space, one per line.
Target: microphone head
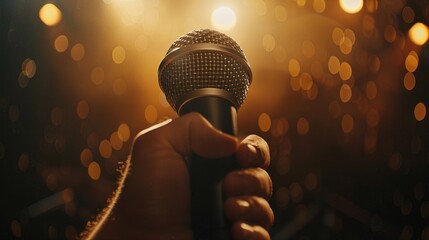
pixel 204 59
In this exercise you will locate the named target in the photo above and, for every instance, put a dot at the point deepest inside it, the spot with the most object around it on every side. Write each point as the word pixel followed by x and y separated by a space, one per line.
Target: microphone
pixel 206 71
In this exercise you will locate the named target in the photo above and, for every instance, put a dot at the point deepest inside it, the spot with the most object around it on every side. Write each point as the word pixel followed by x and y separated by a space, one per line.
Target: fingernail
pixel 247 230
pixel 243 206
pixel 252 153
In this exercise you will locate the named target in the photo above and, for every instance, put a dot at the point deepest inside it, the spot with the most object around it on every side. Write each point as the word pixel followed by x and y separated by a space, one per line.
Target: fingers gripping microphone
pixel 206 71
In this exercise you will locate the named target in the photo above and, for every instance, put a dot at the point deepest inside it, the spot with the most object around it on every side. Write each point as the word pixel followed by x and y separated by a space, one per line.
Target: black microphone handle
pixel 207 216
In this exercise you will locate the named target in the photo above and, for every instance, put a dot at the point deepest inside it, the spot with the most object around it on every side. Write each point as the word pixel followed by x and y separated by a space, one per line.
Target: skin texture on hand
pixel 155 198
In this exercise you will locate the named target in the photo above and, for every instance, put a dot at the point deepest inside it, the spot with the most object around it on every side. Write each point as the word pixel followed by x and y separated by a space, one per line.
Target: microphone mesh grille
pixel 204 69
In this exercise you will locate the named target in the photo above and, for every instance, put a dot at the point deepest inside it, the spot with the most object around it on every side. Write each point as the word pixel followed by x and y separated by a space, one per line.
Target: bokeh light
pixel 280 13
pixel 420 111
pixel 118 55
pixel 61 43
pixel 50 14
pixel 345 93
pixel 94 170
pixel 319 6
pixel 351 6
pixel 347 123
pixel 419 33
pixel 409 81
pixel 264 122
pixel 86 157
pixel 124 132
pixel 82 109
pixel 151 114
pixel 268 42
pixel 97 75
pixel 223 18
pixel 77 52
pixel 302 126
pixel 29 68
pixel 105 149
pixel 294 67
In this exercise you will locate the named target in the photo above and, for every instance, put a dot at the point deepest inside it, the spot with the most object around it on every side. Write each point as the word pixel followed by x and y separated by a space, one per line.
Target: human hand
pixel 155 202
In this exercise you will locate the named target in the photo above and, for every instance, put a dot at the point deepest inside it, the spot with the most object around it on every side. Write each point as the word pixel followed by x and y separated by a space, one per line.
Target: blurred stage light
pixel 50 14
pixel 223 18
pixel 351 6
pixel 419 33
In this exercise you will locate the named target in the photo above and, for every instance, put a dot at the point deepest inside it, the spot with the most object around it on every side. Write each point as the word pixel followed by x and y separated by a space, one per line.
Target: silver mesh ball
pixel 204 68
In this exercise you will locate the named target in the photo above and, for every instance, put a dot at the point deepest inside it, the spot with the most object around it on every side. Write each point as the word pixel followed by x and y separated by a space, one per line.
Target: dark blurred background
pixel 340 93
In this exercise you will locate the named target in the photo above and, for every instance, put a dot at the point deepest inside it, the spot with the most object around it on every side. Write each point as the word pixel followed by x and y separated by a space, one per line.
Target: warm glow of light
pixel 50 14
pixel 337 36
pixel 312 92
pixel 345 93
pixel 300 3
pixel 279 127
pixel 82 109
pixel 124 132
pixel 151 114
pixel 412 61
pixel 420 111
pixel 306 81
pixel 86 157
pixel 348 33
pixel 264 122
pixel 351 6
pixel 223 18
pixel 23 80
pixel 29 68
pixel 94 170
pixel 346 46
pixel 268 42
pixel 334 65
pixel 302 126
pixel 115 141
pixel 118 55
pixel 371 90
pixel 390 33
pixel 345 71
pixel 97 75
pixel 105 148
pixel 409 81
pixel 374 63
pixel 319 6
pixel 347 123
pixel 294 67
pixel 295 84
pixel 280 13
pixel 61 43
pixel 408 14
pixel 419 33
pixel 77 52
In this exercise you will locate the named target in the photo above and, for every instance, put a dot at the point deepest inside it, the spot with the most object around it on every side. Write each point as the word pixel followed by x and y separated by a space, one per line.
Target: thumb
pixel 192 133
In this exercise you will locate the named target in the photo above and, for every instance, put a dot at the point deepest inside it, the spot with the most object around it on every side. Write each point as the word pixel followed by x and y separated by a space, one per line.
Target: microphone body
pixel 207 218
pixel 206 71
